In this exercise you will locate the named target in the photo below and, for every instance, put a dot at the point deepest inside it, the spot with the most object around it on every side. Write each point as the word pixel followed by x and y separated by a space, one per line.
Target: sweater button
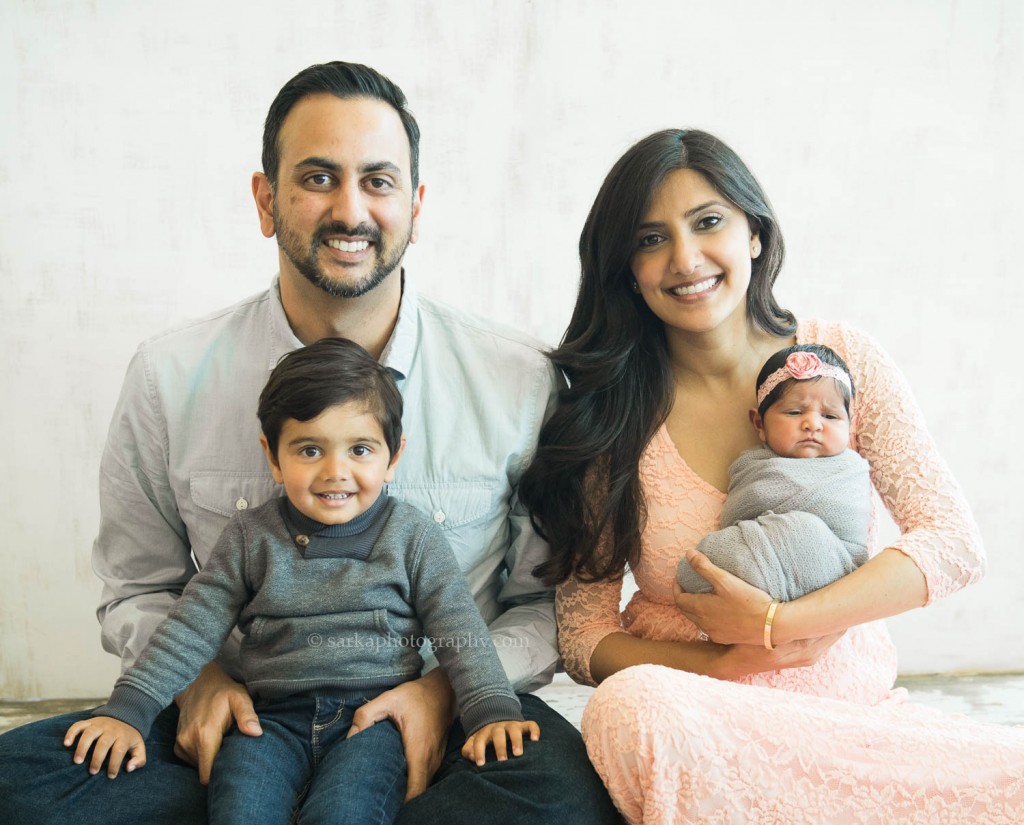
pixel 439 516
pixel 302 540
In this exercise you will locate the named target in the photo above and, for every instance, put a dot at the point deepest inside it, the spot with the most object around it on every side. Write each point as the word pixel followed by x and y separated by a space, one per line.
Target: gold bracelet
pixel 768 619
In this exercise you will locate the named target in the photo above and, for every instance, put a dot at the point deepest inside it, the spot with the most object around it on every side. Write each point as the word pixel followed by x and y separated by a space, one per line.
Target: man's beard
pixel 306 259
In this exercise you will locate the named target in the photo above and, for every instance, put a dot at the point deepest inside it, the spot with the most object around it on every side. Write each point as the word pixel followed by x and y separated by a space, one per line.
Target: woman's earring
pixel 635 285
pixel 755 247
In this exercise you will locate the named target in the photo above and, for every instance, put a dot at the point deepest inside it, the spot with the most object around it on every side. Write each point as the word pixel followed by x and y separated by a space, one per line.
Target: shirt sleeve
pixel 525 634
pixel 938 531
pixel 141 553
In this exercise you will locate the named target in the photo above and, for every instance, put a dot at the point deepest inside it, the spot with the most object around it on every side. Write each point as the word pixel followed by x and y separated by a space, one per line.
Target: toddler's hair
pixel 332 371
pixel 778 360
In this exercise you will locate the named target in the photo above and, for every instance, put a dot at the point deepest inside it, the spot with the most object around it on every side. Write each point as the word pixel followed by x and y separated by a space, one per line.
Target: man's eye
pixel 319 180
pixel 379 183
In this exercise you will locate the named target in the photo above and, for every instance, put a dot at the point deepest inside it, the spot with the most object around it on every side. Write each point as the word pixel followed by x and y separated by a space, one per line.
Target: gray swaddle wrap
pixel 790 525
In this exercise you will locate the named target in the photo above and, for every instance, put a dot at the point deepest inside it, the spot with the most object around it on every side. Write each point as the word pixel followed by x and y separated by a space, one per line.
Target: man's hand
pixel 422 711
pixel 110 736
pixel 208 707
pixel 496 734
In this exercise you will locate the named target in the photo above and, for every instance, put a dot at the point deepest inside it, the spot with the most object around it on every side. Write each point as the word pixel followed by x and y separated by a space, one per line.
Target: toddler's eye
pixel 309 452
pixel 361 450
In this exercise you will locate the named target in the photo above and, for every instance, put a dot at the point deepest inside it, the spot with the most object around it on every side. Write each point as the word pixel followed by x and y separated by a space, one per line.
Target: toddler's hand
pixel 495 734
pixel 110 736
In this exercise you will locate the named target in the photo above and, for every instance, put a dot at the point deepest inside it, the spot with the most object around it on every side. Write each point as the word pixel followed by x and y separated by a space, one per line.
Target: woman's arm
pixel 938 552
pixel 594 644
pixel 618 651
pixel 735 612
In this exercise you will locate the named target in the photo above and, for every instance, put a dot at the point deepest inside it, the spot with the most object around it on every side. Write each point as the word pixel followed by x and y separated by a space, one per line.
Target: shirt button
pixel 241 504
pixel 439 516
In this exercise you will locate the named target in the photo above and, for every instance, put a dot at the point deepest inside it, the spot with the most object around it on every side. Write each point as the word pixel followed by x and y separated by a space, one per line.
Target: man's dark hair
pixel 827 356
pixel 343 80
pixel 332 371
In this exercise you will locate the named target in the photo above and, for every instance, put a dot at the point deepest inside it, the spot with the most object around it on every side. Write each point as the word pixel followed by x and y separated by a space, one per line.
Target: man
pixel 340 190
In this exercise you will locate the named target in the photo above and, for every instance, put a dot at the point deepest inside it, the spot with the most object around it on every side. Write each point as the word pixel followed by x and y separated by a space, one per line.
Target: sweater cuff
pixel 131 706
pixel 500 707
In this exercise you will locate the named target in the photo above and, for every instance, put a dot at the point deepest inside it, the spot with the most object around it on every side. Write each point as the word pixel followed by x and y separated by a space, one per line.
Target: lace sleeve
pixel 586 613
pixel 937 529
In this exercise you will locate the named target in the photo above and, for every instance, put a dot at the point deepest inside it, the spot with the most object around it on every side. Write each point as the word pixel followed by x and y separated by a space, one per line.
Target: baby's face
pixel 808 421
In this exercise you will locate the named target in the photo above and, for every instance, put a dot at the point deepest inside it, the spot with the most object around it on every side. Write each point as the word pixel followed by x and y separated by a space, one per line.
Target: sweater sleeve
pixel 458 634
pixel 190 637
pixel 937 529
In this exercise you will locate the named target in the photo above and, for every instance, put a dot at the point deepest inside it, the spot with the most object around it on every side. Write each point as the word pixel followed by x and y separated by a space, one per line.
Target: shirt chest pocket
pixel 464 510
pixel 217 495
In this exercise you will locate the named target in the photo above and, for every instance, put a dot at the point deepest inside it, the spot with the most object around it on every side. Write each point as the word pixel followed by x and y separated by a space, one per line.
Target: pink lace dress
pixel 830 743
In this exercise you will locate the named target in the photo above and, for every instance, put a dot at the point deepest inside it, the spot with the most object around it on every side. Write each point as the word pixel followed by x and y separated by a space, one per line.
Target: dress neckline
pixel 670 446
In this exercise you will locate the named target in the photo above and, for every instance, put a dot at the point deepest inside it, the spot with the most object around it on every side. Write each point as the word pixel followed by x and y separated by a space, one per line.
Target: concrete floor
pixel 990 698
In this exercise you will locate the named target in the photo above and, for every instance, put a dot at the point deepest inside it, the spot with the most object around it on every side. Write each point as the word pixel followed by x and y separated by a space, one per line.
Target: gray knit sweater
pixel 789 525
pixel 313 621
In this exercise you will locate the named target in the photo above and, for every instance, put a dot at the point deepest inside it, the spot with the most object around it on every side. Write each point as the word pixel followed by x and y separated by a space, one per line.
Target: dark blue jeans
pixel 304 760
pixel 552 782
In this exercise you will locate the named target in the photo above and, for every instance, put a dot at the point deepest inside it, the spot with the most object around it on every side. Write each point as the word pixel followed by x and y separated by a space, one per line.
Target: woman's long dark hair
pixel 584 482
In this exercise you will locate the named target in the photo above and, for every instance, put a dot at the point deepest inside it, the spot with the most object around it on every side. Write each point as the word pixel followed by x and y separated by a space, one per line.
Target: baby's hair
pixel 332 371
pixel 778 360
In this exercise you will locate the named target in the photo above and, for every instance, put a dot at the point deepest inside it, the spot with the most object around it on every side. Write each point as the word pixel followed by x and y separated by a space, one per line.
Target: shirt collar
pixel 401 347
pixel 398 352
pixel 283 339
pixel 310 527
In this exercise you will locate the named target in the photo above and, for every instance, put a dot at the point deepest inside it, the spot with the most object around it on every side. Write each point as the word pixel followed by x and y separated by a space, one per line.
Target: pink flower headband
pixel 801 366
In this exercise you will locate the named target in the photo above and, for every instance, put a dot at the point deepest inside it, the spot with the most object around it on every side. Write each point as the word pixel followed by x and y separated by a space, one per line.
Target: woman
pixel 799 721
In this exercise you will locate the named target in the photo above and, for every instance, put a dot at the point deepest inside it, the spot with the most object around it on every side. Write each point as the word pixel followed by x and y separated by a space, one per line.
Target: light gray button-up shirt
pixel 183 455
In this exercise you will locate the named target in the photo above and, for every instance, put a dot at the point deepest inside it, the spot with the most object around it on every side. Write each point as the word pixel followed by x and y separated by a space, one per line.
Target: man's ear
pixel 263 194
pixel 417 205
pixel 758 422
pixel 275 468
pixel 389 476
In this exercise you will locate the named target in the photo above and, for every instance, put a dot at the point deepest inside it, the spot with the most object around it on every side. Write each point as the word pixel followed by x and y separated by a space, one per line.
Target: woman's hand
pixel 733 613
pixel 743 660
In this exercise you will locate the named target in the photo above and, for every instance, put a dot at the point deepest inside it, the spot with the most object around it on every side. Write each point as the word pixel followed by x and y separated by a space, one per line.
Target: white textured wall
pixel 889 136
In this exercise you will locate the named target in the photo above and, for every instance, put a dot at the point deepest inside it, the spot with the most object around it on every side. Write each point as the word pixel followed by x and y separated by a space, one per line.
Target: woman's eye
pixel 648 240
pixel 709 221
